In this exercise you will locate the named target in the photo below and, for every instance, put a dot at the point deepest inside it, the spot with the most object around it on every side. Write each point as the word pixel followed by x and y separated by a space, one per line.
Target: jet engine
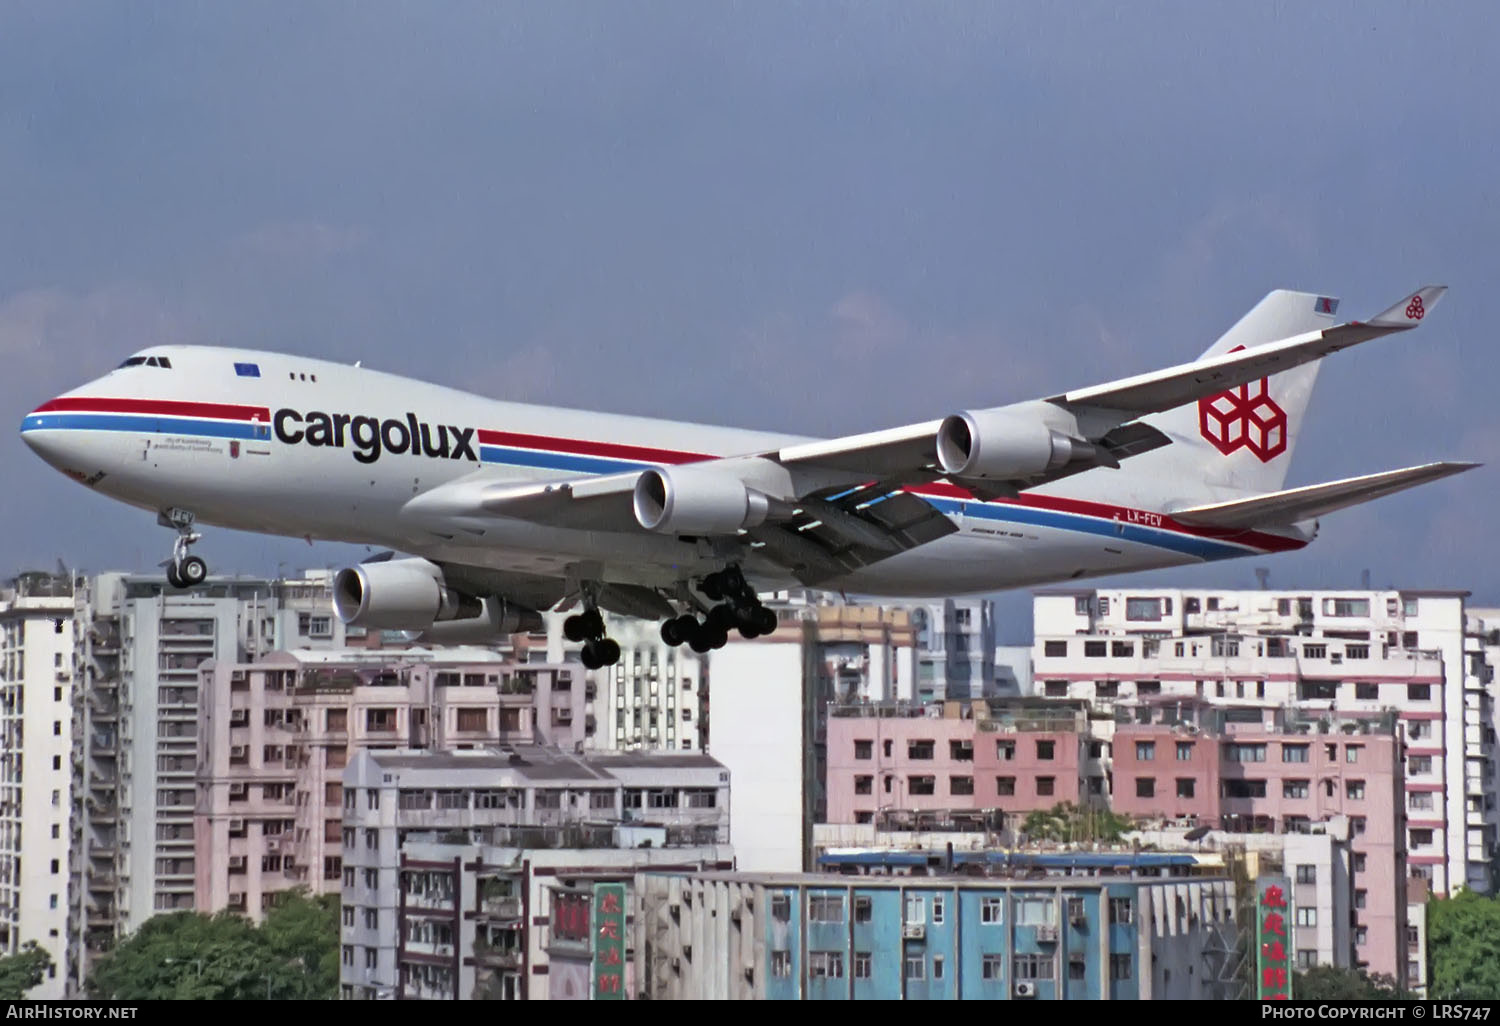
pixel 401 594
pixel 1002 445
pixel 688 500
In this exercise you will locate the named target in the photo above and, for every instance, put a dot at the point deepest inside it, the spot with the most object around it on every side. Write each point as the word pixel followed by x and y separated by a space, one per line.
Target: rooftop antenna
pixel 1263 575
pixel 1364 580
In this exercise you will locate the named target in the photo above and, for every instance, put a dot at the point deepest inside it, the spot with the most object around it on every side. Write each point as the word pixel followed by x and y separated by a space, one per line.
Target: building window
pixel 1033 967
pixel 828 964
pixel 1045 786
pixel 1351 753
pixel 1145 751
pixel 1005 751
pixel 864 749
pixel 916 967
pixel 921 749
pixel 863 909
pixel 921 785
pixel 992 967
pixel 992 911
pixel 1346 607
pixel 1359 862
pixel 1306 958
pixel 781 964
pixel 961 751
pixel 960 785
pixel 937 967
pixel 1055 649
pixel 1419 801
pixel 1421 838
pixel 916 909
pixel 1095 649
pixel 1005 786
pixel 781 908
pixel 1307 917
pixel 1419 692
pixel 1296 788
pixel 862 962
pixel 1354 788
pixel 1367 692
pixel 1057 689
pixel 1360 898
pixel 1294 753
pixel 1121 649
pixel 1419 764
pixel 1119 967
pixel 1045 749
pixel 1184 751
pixel 1307 874
pixel 825 908
pixel 864 785
pixel 1245 753
pixel 1142 608
pixel 1145 787
pixel 1186 787
pixel 938 909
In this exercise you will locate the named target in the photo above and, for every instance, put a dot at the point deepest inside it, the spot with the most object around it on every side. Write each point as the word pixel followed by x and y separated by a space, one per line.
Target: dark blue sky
pixel 824 217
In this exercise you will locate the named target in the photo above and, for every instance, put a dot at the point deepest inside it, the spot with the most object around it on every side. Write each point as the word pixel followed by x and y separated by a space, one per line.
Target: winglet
pixel 1409 312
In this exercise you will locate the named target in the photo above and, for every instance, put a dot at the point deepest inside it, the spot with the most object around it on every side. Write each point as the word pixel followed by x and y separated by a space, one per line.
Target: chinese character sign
pixel 570 917
pixel 609 942
pixel 1273 917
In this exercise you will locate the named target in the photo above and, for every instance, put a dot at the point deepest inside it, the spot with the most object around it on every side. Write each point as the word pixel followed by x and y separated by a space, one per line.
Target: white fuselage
pixel 308 448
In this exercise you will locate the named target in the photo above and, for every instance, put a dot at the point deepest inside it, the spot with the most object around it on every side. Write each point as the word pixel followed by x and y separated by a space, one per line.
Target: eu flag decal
pixel 247 370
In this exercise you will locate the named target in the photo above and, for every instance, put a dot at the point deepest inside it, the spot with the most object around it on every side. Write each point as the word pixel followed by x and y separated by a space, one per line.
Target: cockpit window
pixel 162 361
pixel 148 361
pixel 134 361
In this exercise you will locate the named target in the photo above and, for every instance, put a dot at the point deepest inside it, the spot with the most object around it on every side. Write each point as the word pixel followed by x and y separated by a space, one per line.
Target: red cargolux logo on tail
pixel 1414 309
pixel 1244 417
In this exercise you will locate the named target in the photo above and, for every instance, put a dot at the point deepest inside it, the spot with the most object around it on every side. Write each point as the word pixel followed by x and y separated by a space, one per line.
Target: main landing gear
pixel 740 610
pixel 184 570
pixel 588 627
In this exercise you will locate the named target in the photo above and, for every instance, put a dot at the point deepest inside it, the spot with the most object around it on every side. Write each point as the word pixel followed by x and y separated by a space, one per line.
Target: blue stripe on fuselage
pixel 144 425
pixel 557 460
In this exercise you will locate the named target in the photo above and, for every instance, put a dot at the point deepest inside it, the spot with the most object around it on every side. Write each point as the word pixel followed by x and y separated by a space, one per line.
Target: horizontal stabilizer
pixel 1297 504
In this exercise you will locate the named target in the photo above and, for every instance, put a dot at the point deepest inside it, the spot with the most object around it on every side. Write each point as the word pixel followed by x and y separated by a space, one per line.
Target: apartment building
pixel 139 645
pixel 36 768
pixel 277 734
pixel 1416 653
pixel 737 936
pixel 897 757
pixel 955 641
pixel 1270 770
pixel 508 817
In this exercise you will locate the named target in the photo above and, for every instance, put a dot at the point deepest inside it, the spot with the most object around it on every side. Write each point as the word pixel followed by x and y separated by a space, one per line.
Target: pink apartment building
pixel 1280 772
pixel 899 756
pixel 275 736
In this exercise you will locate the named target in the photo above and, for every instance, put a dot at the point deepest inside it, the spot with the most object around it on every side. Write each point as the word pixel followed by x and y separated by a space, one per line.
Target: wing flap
pixel 1296 504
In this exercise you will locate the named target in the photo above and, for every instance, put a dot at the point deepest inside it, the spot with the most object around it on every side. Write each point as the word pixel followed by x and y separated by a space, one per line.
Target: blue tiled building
pixel 827 937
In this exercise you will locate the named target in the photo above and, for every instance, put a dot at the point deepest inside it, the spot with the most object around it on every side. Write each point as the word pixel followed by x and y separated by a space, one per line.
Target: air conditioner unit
pixel 1025 989
pixel 913 931
pixel 236 862
pixel 1046 935
pixel 273 846
pixel 236 826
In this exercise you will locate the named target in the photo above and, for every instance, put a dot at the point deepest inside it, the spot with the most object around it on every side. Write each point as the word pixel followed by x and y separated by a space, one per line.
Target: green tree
pixel 224 957
pixel 1326 983
pixel 25 969
pixel 1463 947
pixel 1068 822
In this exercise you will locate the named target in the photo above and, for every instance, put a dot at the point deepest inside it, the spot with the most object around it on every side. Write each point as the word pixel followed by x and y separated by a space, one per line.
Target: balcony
pixel 500 908
pixel 498 956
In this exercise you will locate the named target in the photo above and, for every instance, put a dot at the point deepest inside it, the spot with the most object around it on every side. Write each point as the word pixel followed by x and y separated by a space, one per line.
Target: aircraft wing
pixel 840 504
pixel 1285 508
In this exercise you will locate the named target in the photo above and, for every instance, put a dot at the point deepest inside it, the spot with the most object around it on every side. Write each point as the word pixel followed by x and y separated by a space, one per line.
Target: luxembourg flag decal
pixel 1325 305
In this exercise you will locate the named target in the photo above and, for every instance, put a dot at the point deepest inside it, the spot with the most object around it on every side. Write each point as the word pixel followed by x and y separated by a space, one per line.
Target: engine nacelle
pixel 689 500
pixel 1002 444
pixel 497 621
pixel 402 595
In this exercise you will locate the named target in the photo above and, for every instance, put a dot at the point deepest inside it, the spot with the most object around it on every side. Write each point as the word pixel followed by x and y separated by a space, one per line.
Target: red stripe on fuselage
pixel 159 407
pixel 580 447
pixel 1125 514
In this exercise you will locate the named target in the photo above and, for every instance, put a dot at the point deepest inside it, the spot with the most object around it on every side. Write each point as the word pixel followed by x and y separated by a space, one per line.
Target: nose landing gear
pixel 741 610
pixel 184 570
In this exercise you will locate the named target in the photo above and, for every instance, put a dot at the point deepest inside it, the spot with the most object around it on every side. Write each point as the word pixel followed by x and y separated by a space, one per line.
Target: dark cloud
pixel 821 217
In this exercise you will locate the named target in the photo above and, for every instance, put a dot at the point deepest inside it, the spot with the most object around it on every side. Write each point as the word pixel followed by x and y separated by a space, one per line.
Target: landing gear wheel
pixel 593 623
pixel 712 587
pixel 719 638
pixel 173 578
pixel 591 656
pixel 701 640
pixel 669 635
pixel 193 571
pixel 721 616
pixel 575 629
pixel 765 621
pixel 609 650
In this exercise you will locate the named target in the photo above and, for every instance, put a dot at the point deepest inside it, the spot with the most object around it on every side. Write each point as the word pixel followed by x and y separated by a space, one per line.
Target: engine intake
pixel 402 594
pixel 686 500
pixel 1003 445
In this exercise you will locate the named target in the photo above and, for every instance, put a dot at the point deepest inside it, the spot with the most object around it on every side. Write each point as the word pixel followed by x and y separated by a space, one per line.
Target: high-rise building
pixel 36 768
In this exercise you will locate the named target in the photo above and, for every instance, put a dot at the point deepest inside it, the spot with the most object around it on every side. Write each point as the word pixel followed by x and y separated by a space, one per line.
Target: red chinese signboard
pixel 1273 917
pixel 570 917
pixel 609 942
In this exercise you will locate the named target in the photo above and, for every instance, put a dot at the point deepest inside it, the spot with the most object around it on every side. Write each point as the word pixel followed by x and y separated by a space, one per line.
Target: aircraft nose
pixel 43 432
